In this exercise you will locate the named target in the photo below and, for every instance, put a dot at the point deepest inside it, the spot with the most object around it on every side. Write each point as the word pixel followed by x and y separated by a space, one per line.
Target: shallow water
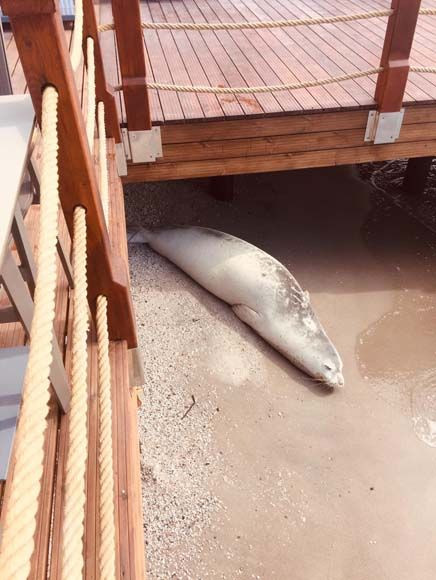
pixel 271 475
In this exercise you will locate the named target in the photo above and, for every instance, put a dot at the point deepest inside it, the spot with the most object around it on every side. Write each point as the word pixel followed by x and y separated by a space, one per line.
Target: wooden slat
pixel 260 164
pixel 289 125
pixel 272 145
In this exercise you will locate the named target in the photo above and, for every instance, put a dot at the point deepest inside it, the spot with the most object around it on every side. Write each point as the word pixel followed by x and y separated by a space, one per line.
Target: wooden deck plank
pixel 300 62
pixel 249 104
pixel 209 103
pixel 282 162
pixel 272 69
pixel 189 101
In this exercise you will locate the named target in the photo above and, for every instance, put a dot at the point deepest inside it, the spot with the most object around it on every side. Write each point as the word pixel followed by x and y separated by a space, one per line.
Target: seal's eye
pixel 328 367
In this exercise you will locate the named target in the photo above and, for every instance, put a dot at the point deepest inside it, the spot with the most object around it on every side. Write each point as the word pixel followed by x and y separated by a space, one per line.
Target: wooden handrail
pixel 104 92
pixel 392 81
pixel 43 51
pixel 130 43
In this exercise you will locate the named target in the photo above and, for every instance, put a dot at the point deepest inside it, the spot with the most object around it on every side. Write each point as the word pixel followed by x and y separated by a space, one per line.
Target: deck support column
pixel 417 173
pixel 222 187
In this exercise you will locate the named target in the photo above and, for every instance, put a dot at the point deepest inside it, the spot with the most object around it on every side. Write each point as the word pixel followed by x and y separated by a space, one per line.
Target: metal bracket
pixel 120 157
pixel 145 146
pixel 383 127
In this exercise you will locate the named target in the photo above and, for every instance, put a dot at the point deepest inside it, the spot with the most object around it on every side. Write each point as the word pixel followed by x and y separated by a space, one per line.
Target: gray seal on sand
pixel 260 290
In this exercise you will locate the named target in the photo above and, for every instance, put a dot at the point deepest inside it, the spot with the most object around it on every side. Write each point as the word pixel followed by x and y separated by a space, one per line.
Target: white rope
pixel 18 537
pixel 90 96
pixel 73 524
pixel 428 11
pixel 423 69
pixel 105 453
pixel 76 43
pixel 102 157
pixel 259 89
pixel 256 25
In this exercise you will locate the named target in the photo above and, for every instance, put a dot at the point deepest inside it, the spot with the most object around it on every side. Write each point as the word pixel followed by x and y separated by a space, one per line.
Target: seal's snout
pixel 340 382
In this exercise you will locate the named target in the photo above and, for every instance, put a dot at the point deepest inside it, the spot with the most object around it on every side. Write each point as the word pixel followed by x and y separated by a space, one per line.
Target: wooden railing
pixel 392 81
pixel 43 51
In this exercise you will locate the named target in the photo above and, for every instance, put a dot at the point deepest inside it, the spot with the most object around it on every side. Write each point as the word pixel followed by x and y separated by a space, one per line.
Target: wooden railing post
pixel 104 92
pixel 391 82
pixel 43 51
pixel 130 43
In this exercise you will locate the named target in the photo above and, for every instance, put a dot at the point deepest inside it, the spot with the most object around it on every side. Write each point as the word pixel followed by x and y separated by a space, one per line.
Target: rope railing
pixel 18 537
pixel 90 93
pixel 272 88
pixel 76 43
pixel 105 449
pixel 257 24
pixel 73 524
pixel 259 89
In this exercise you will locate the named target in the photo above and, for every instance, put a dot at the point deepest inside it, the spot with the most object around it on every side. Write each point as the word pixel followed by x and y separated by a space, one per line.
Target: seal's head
pixel 302 340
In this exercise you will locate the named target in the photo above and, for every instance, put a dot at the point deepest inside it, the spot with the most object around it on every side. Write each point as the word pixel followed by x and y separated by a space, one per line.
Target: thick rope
pixel 105 457
pixel 102 157
pixel 260 89
pixel 255 25
pixel 423 69
pixel 17 542
pixel 73 524
pixel 90 98
pixel 76 43
pixel 428 11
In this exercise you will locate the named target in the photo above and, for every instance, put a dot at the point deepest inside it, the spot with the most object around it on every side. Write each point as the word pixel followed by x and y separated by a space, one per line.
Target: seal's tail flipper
pixel 137 235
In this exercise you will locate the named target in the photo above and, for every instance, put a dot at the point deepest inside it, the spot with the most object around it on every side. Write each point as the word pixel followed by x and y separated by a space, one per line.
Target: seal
pixel 261 291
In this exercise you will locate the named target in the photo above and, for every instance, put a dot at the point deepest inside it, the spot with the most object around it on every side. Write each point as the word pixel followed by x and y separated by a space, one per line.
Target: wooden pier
pixel 203 134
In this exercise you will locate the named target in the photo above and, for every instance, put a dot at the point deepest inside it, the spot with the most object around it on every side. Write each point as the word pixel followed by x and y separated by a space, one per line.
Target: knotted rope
pixel 17 542
pixel 256 25
pixel 73 524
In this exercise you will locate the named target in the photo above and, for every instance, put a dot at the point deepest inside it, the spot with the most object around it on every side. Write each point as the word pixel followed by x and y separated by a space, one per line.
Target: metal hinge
pixel 383 127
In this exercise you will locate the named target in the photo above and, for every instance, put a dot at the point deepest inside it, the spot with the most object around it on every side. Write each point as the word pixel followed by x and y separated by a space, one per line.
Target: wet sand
pixel 269 475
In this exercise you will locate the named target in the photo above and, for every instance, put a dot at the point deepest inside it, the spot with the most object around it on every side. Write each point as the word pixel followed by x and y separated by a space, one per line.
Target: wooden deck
pixel 128 510
pixel 207 135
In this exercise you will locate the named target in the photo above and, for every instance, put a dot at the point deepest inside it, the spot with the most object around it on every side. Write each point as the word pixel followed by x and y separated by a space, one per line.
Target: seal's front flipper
pixel 246 314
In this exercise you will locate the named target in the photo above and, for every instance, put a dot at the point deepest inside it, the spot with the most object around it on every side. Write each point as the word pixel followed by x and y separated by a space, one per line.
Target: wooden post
pixel 222 187
pixel 43 51
pixel 417 172
pixel 103 91
pixel 391 82
pixel 130 43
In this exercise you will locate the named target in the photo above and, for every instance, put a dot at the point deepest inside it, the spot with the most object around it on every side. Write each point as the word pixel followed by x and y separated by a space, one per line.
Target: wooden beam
pixel 417 173
pixel 281 162
pixel 130 43
pixel 41 43
pixel 391 82
pixel 104 92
